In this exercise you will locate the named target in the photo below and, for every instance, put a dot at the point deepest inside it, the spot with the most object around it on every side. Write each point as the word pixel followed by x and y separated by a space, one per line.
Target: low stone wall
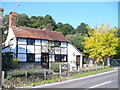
pixel 16 81
pixel 21 81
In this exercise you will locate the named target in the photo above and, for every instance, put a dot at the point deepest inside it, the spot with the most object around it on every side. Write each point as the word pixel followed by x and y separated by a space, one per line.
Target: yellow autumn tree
pixel 101 42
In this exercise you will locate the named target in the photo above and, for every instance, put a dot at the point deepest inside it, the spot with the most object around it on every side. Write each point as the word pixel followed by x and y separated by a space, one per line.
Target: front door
pixel 45 60
pixel 78 61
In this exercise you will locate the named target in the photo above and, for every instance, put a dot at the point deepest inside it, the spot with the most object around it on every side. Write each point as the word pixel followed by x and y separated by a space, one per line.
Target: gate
pixel 64 69
pixel 115 62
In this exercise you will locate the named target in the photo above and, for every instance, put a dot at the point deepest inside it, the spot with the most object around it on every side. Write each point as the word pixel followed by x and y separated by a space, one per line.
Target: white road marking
pixel 99 85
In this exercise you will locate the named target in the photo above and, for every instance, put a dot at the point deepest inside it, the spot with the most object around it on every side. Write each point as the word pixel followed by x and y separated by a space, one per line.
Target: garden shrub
pixel 55 66
pixel 9 62
pixel 31 72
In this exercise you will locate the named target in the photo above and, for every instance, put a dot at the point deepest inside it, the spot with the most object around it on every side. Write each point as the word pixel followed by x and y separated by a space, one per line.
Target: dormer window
pixel 30 41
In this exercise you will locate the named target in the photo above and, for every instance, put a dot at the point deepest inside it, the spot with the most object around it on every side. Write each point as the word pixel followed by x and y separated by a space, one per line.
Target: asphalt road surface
pixel 104 80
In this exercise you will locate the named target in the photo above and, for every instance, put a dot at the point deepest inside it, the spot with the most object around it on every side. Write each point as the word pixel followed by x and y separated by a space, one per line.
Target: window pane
pixel 22 57
pixel 57 44
pixel 30 41
pixel 60 58
pixel 63 50
pixel 57 50
pixel 38 57
pixel 30 57
pixel 21 41
pixel 57 58
pixel 37 42
pixel 21 48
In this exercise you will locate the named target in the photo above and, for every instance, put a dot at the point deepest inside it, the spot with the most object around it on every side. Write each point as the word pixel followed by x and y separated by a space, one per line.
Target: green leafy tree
pixel 117 56
pixel 23 20
pixel 82 29
pixel 43 22
pixel 76 39
pixel 65 29
pixel 9 62
pixel 101 43
pixel 5 30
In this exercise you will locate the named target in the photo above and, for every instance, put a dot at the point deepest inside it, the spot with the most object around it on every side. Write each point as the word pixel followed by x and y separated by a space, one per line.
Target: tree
pixel 117 56
pixel 101 43
pixel 5 21
pixel 9 62
pixel 23 20
pixel 65 29
pixel 82 29
pixel 43 22
pixel 76 39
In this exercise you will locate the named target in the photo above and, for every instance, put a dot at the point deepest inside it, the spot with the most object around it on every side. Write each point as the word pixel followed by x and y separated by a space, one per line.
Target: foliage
pixel 54 66
pixel 15 62
pixel 5 21
pixel 31 71
pixel 65 29
pixel 76 39
pixel 45 22
pixel 9 62
pixel 82 29
pixel 117 56
pixel 101 43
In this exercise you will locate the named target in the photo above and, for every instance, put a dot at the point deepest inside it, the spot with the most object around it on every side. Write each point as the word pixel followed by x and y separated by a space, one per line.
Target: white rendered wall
pixel 10 36
pixel 10 42
pixel 72 53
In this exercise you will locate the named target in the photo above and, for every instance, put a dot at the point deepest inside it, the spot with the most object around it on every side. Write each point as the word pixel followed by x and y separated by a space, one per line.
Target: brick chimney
pixel 12 19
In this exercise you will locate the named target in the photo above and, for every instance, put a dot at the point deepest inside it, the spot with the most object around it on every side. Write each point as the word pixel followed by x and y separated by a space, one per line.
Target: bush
pixel 54 66
pixel 15 62
pixel 9 62
pixel 31 72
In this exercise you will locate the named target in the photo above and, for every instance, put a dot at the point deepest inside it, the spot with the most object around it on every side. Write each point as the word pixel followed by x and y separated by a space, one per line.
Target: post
pixel 60 70
pixel 26 75
pixel 45 77
pixel 1 27
pixel 68 69
pixel 3 75
pixel 108 61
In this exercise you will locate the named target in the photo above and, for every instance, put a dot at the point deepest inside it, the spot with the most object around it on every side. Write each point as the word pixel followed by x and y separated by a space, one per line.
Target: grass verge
pixel 93 72
pixel 74 76
pixel 45 81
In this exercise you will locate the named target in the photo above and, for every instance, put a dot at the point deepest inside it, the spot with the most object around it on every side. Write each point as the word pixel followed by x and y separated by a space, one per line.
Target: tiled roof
pixel 25 32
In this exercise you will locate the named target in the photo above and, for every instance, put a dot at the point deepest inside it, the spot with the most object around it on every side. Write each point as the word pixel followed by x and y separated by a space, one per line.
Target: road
pixel 104 80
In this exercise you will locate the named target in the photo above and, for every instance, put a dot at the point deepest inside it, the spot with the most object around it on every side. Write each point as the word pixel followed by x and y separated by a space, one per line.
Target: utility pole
pixel 1 28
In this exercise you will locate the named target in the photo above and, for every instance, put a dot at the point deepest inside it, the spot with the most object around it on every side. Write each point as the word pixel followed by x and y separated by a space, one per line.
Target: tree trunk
pixel 108 61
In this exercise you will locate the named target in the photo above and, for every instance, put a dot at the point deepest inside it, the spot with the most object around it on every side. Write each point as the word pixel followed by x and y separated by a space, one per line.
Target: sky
pixel 73 13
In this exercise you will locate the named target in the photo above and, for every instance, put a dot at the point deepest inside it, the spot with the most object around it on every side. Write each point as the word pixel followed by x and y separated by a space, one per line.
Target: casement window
pixel 60 58
pixel 30 57
pixel 57 44
pixel 30 41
